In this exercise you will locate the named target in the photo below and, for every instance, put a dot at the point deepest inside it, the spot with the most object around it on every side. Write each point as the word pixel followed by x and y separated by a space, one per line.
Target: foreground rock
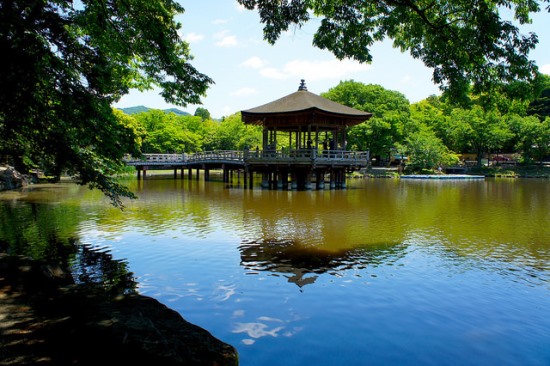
pixel 11 178
pixel 45 319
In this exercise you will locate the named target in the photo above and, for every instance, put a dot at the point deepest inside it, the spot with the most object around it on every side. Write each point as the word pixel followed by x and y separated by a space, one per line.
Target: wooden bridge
pixel 279 168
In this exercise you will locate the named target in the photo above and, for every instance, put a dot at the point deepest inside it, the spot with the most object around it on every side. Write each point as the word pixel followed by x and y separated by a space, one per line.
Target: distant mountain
pixel 177 111
pixel 141 108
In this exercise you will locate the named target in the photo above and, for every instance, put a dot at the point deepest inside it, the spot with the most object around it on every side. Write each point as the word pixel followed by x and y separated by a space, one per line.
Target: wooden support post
pixel 317 137
pixel 265 180
pixel 265 141
pixel 344 179
pixel 320 180
pixel 294 181
pixel 273 180
pixel 307 181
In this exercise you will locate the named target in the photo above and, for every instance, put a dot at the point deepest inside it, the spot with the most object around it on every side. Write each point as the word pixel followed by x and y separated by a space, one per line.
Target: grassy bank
pixel 518 171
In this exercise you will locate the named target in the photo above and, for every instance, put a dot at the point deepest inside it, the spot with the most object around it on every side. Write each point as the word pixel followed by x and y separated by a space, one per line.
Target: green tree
pixel 532 136
pixel 153 119
pixel 390 111
pixel 233 134
pixel 466 43
pixel 513 97
pixel 209 133
pixel 65 64
pixel 134 128
pixel 430 112
pixel 480 131
pixel 203 113
pixel 374 136
pixel 169 133
pixel 368 97
pixel 426 151
pixel 540 105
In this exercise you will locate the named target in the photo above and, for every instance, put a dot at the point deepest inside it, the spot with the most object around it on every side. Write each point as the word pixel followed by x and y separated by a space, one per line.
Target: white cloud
pixel 228 41
pixel 273 73
pixel 407 79
pixel 227 110
pixel 194 37
pixel 244 92
pixel 254 62
pixel 545 69
pixel 225 39
pixel 315 70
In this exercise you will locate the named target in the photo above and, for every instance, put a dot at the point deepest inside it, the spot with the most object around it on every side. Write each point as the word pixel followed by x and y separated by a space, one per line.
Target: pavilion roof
pixel 303 107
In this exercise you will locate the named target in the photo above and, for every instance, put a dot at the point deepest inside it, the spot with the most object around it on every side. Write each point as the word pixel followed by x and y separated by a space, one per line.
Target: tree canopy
pixel 65 64
pixel 434 131
pixel 390 110
pixel 468 44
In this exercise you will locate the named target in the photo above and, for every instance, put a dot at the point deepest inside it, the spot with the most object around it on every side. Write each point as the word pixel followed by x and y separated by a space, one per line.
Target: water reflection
pixel 459 268
pixel 302 265
pixel 260 329
pixel 331 221
pixel 95 267
pixel 500 220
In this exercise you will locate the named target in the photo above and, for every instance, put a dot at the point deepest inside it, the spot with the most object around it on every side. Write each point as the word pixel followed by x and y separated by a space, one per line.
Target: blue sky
pixel 227 44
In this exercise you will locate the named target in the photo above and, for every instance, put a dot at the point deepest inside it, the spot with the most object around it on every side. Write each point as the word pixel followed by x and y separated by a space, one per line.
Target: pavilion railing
pixel 307 155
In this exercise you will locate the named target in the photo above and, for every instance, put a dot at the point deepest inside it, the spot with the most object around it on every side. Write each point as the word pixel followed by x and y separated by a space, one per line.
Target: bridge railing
pixel 155 159
pixel 284 155
pixel 217 155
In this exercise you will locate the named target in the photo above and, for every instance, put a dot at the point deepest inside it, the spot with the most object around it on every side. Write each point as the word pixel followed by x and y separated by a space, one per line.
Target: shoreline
pixel 48 320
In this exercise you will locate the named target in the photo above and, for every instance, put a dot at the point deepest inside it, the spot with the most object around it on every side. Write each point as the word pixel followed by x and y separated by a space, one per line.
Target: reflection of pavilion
pixel 286 258
pixel 316 131
pixel 303 265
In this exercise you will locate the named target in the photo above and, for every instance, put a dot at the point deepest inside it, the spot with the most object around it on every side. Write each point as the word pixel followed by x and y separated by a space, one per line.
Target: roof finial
pixel 302 85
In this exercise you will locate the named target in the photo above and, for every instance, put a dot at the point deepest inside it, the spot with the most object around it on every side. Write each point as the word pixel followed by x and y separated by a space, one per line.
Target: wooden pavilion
pixel 316 148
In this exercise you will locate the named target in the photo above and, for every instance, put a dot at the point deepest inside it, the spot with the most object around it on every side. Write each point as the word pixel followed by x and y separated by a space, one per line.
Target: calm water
pixel 385 272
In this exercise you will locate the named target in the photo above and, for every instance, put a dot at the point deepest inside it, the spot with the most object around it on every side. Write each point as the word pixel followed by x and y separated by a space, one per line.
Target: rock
pixel 47 319
pixel 11 178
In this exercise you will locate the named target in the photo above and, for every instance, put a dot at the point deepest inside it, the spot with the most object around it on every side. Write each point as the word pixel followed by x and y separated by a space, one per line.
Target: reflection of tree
pixel 39 231
pixel 330 220
pixel 303 265
pixel 46 232
pixel 93 267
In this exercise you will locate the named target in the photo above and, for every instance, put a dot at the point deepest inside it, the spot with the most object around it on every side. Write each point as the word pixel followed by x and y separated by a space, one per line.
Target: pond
pixel 388 271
